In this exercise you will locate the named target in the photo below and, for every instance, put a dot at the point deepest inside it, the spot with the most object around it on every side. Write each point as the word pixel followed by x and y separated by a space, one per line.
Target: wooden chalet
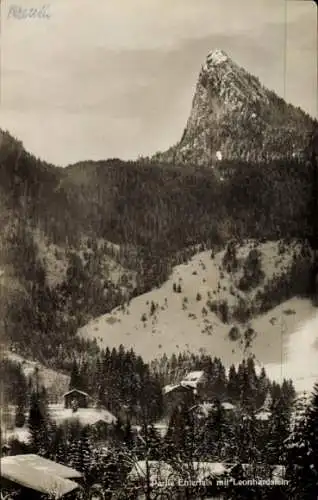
pixel 76 398
pixel 176 395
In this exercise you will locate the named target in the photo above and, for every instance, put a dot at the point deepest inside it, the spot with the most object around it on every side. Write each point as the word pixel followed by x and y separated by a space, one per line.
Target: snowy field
pixel 301 363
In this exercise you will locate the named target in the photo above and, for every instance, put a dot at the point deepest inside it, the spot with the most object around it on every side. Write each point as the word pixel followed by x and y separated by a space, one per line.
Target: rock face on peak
pixel 234 117
pixel 217 56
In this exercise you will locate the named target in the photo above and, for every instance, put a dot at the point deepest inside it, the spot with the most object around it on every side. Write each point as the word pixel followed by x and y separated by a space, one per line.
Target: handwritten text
pixel 18 12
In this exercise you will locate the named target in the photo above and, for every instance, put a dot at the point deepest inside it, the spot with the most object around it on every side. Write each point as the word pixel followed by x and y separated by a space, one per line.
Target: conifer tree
pixel 220 381
pixel 288 393
pixel 75 380
pixel 71 437
pixel 278 432
pixel 216 435
pixel 58 447
pixel 38 423
pixel 176 434
pixel 74 454
pixel 232 386
pixel 86 450
pixel 262 388
pixel 302 470
pixel 246 435
pixel 128 437
pixel 247 385
pixel 118 430
pixel 150 443
pixel 19 416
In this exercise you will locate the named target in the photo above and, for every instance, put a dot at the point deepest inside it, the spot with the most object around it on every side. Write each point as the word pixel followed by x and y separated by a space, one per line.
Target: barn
pixel 76 398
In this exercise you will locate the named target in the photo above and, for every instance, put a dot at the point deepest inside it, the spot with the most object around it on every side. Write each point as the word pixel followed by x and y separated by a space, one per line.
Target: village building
pixel 202 410
pixel 76 406
pixel 176 395
pixel 196 380
pixel 80 406
pixel 76 398
pixel 34 477
pixel 193 389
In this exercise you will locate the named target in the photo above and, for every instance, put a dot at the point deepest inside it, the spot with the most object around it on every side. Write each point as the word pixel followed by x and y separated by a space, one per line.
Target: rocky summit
pixel 234 117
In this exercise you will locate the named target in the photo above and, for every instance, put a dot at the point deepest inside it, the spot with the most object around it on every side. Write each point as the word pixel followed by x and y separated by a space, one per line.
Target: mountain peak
pixel 216 57
pixel 234 117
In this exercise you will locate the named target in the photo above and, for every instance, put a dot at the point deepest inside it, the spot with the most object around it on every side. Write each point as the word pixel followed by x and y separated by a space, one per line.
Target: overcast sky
pixel 115 78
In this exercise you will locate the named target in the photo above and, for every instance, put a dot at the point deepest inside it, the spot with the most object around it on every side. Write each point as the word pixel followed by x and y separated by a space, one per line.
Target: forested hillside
pixel 142 218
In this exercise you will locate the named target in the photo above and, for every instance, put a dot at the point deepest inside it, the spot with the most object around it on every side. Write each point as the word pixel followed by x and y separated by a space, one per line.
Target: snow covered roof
pixel 170 388
pixel 41 463
pixel 39 474
pixel 77 391
pixel 193 378
pixel 86 416
pixel 227 406
pixel 196 375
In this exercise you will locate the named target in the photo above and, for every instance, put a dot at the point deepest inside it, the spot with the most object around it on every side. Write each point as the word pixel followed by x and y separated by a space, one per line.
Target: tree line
pixel 107 456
